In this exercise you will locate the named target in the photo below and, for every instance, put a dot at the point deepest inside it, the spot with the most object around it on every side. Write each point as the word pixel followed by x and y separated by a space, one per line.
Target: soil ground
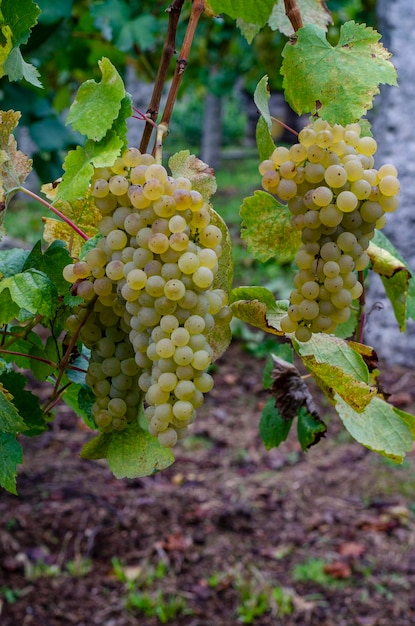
pixel 229 534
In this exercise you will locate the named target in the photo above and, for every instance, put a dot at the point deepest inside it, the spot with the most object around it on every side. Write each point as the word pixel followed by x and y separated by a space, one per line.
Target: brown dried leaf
pixel 14 164
pixel 338 569
pixel 289 390
pixel 351 549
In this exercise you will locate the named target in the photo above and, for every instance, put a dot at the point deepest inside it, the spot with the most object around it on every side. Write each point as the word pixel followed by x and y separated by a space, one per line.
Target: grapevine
pixel 131 285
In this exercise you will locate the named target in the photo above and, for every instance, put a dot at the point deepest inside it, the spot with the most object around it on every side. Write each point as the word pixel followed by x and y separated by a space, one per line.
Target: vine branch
pixel 169 49
pixel 56 212
pixel 182 61
pixel 293 13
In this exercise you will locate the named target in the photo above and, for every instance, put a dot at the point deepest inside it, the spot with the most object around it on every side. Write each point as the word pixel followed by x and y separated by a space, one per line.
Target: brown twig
pixel 284 125
pixel 293 13
pixel 169 49
pixel 182 61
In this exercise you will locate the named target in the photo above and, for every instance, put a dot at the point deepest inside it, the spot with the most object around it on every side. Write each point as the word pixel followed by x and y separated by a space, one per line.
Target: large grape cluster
pixel 149 283
pixel 337 199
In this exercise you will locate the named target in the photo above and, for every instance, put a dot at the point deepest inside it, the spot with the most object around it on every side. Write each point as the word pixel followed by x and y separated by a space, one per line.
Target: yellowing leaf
pixel 257 306
pixel 5 45
pixel 83 213
pixel 338 369
pixel 199 173
pixel 339 82
pixel 14 164
pixel 267 229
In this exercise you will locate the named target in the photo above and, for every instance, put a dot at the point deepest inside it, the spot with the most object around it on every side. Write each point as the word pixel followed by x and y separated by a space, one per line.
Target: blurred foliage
pixel 72 35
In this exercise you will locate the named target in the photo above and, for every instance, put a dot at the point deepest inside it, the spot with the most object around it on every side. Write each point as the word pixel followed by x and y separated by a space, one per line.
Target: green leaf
pixel 248 30
pixel 120 126
pixel 31 291
pixel 379 427
pixel 17 19
pixel 11 455
pixel 20 16
pixel 261 99
pixel 10 420
pixel 24 345
pixel 257 306
pixel 273 429
pixel 310 428
pixel 396 277
pixel 131 453
pixel 16 68
pixel 79 165
pixel 41 369
pixel 338 369
pixel 267 229
pixel 312 11
pixel 51 262
pixel 12 261
pixel 97 105
pixel 337 81
pixel 264 140
pixel 26 403
pixel 256 12
pixel 80 398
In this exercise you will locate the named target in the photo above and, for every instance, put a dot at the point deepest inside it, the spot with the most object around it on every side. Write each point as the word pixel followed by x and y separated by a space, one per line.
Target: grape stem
pixel 139 115
pixel 41 359
pixel 281 123
pixel 169 50
pixel 56 212
pixel 293 13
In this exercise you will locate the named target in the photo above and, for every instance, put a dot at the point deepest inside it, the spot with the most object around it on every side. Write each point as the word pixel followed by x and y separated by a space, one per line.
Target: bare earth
pixel 323 539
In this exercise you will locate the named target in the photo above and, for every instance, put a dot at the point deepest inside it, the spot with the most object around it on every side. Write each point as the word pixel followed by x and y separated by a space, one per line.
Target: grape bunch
pixel 337 199
pixel 150 300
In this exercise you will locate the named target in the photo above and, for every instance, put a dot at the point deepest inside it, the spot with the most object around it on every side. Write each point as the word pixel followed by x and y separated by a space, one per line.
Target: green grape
pixel 389 185
pixel 346 201
pixel 322 196
pixel 303 333
pixel 168 438
pixel 174 289
pixel 203 277
pixel 335 176
pixel 310 290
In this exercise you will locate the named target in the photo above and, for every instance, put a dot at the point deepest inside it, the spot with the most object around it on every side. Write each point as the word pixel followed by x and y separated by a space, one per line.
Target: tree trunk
pixel 393 128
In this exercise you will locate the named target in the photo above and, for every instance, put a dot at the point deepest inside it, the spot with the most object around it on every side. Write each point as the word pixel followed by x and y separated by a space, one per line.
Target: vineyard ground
pixel 325 539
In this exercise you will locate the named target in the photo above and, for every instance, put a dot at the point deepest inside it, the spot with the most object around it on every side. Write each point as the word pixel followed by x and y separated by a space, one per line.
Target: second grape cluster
pixel 337 199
